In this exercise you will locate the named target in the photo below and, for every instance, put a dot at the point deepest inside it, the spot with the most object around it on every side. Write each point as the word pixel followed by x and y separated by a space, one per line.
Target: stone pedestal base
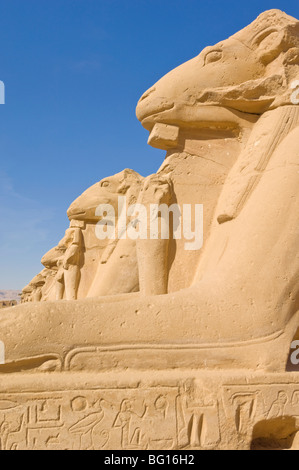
pixel 149 410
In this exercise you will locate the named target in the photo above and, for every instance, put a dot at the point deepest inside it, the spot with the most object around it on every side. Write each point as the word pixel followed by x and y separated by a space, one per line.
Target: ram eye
pixel 213 56
pixel 105 184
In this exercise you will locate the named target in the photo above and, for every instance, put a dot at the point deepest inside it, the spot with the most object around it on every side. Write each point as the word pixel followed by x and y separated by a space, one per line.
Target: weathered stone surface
pixel 148 345
pixel 150 411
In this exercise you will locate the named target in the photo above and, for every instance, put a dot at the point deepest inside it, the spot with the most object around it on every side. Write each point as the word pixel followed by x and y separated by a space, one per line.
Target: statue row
pixel 84 265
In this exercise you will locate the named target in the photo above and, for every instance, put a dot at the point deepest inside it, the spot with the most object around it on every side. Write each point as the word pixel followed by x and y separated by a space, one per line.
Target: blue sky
pixel 74 71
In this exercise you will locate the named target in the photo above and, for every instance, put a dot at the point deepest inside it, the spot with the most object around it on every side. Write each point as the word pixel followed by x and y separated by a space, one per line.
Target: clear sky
pixel 74 71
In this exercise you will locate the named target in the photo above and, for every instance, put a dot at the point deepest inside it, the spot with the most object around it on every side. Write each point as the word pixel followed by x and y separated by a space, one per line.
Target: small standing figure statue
pixel 68 274
pixel 71 262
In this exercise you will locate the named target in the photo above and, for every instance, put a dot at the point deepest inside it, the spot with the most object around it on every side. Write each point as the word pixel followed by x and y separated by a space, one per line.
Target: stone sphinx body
pixel 231 133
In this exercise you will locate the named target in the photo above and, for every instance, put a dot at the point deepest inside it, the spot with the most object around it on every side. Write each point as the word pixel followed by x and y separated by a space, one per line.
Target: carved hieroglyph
pixel 230 125
pixel 135 412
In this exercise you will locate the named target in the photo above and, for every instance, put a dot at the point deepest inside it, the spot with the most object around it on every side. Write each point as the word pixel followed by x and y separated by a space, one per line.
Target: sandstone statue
pixel 84 265
pixel 202 337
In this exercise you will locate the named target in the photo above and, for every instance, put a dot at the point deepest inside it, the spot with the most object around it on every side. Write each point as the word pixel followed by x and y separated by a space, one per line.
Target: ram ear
pixel 270 46
pixel 130 179
pixel 131 175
